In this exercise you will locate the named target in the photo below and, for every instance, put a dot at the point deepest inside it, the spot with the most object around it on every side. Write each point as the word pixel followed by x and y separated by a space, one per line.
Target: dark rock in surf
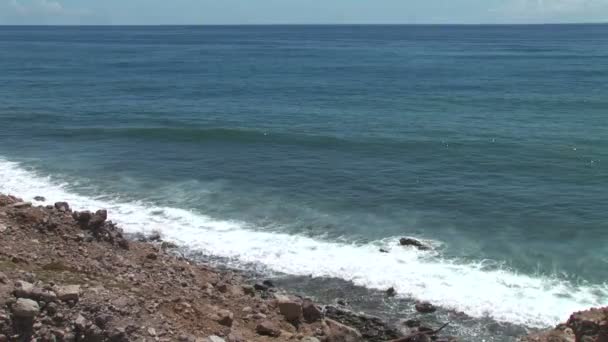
pixel 39 199
pixel 425 307
pixel 62 206
pixel 382 250
pixel 391 292
pixel 413 243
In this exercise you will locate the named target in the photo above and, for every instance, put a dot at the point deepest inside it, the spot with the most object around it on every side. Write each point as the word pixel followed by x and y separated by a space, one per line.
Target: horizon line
pixel 317 24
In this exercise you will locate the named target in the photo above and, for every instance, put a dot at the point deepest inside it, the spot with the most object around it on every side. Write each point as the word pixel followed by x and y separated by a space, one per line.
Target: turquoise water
pixel 302 149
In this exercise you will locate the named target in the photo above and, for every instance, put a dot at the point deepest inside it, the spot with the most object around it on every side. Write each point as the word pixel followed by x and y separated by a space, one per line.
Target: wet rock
pixel 425 307
pixel 311 312
pixel 338 332
pixel 383 250
pixel 372 328
pixel 260 287
pixel 25 308
pixel 391 292
pixel 68 292
pixel 39 199
pixel 412 323
pixel 268 328
pixel 62 206
pixel 413 243
pixel 268 283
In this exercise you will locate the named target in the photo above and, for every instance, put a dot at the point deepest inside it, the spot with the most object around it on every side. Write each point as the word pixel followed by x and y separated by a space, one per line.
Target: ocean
pixel 297 152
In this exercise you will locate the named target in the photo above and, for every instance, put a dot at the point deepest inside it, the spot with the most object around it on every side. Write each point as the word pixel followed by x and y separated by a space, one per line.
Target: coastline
pixel 88 279
pixel 83 278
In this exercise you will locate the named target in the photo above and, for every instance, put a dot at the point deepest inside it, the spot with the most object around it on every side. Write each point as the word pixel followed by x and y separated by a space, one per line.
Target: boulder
pixel 68 292
pixel 25 308
pixel 268 328
pixel 62 206
pixel 413 243
pixel 290 309
pixel 311 312
pixel 391 292
pixel 23 289
pixel 425 307
pixel 249 290
pixel 338 332
pixel 39 199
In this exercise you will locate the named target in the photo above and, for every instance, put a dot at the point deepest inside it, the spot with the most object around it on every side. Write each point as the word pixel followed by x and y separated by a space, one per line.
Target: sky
pixel 211 12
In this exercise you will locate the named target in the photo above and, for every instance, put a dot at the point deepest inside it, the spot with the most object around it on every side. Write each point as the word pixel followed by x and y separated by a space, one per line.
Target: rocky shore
pixel 75 276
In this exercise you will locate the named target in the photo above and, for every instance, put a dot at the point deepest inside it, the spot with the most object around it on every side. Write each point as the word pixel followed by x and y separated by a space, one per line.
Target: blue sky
pixel 299 11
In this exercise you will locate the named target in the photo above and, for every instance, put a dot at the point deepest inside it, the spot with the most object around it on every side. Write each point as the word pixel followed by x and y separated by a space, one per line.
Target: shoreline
pixel 50 248
pixel 124 289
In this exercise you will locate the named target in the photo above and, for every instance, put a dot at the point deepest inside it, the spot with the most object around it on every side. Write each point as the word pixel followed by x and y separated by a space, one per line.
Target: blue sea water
pixel 301 150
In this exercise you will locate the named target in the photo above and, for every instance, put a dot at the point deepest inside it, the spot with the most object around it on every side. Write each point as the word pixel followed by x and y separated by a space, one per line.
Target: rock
pixel 68 292
pixel 225 317
pixel 291 309
pixel 23 289
pixel 152 256
pixel 391 292
pixel 21 205
pixel 151 331
pixel 383 250
pixel 590 325
pixel 413 243
pixel 338 332
pixel 311 312
pixel 260 287
pixel 214 338
pixel 3 278
pixel 98 219
pixel 154 236
pixel 80 322
pixel 412 323
pixel 310 339
pixel 550 336
pixel 249 290
pixel 62 206
pixel 425 307
pixel 268 328
pixel 268 283
pixel 25 308
pixel 39 199
pixel 372 328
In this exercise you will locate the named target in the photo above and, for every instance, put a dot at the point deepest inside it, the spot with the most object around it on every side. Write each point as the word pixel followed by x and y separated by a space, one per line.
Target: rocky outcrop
pixel 583 326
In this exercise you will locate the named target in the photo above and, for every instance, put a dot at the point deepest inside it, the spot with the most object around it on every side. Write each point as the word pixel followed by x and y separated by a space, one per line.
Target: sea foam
pixel 470 288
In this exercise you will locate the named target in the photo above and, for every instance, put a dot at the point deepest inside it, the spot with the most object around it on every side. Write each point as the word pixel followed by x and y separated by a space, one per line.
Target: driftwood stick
pixel 410 336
